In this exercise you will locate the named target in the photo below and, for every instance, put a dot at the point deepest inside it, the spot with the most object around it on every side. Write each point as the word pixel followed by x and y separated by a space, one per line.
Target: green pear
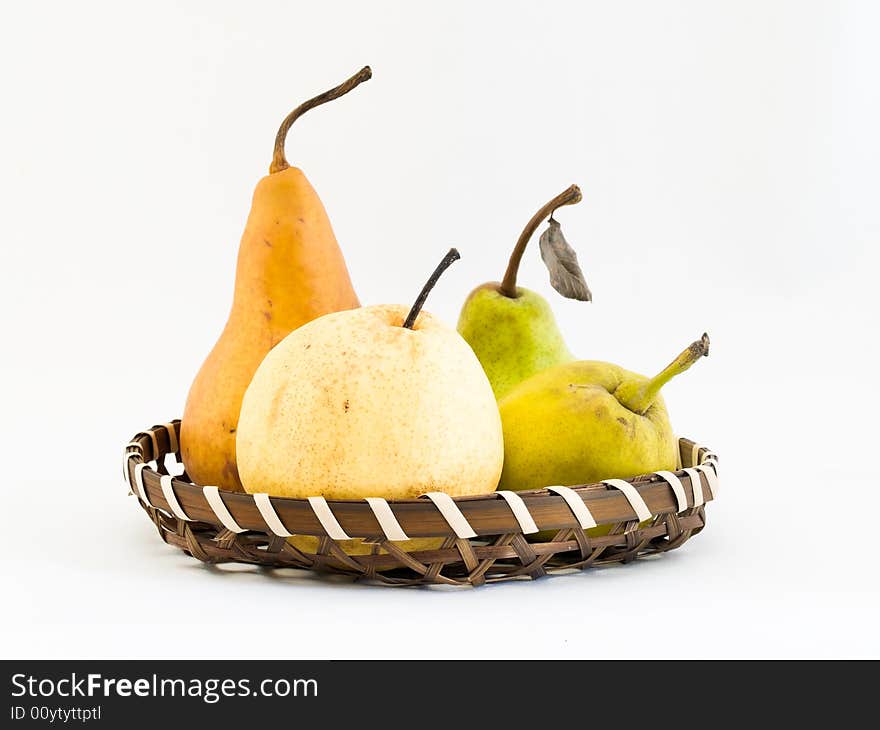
pixel 511 329
pixel 582 422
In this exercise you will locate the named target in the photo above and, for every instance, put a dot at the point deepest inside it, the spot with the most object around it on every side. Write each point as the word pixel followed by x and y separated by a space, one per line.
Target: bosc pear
pixel 290 270
pixel 582 422
pixel 371 402
pixel 512 329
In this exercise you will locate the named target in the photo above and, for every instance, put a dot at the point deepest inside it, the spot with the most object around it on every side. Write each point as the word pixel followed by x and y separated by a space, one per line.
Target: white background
pixel 728 153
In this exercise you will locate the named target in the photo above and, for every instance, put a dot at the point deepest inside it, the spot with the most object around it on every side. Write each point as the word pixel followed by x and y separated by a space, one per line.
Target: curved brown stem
pixel 569 196
pixel 279 162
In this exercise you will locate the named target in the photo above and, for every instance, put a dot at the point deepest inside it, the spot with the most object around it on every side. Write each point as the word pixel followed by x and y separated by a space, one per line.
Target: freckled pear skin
pixel 512 329
pixel 582 422
pixel 565 427
pixel 355 405
pixel 514 338
pixel 290 270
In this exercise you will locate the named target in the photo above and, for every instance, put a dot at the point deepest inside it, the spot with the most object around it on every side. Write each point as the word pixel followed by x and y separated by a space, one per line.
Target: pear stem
pixel 569 196
pixel 642 395
pixel 447 261
pixel 279 162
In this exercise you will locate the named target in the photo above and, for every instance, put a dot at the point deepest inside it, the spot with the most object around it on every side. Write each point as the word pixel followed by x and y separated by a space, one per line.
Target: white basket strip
pixel 452 514
pixel 697 485
pixel 709 459
pixel 171 498
pixel 695 455
pixel 633 497
pixel 677 487
pixel 520 511
pixel 576 505
pixel 328 519
pixel 270 516
pixel 215 501
pixel 708 468
pixel 126 458
pixel 172 437
pixel 139 484
pixel 386 519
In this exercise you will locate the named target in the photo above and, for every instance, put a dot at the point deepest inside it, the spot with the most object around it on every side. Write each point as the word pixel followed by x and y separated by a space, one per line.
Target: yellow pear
pixel 581 422
pixel 371 402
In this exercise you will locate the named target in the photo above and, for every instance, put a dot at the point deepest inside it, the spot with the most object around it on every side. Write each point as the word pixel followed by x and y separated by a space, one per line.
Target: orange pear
pixel 290 270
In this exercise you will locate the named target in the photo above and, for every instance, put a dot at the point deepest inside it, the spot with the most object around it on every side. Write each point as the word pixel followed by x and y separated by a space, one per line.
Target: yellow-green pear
pixel 582 422
pixel 371 402
pixel 511 329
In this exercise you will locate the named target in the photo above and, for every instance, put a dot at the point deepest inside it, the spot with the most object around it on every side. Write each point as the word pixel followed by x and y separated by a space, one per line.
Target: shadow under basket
pixel 483 539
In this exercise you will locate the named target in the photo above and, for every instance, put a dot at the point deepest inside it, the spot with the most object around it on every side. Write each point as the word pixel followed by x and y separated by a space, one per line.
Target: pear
pixel 512 329
pixel 290 270
pixel 582 422
pixel 371 402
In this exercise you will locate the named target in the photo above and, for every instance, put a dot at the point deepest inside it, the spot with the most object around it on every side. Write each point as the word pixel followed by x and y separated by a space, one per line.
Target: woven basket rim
pixel 478 539
pixel 594 494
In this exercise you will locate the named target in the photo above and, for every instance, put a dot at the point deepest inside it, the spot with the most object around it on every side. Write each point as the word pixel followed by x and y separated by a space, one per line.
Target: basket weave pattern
pixel 482 539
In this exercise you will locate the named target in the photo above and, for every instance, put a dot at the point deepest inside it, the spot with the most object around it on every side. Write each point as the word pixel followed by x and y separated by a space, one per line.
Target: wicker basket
pixel 493 537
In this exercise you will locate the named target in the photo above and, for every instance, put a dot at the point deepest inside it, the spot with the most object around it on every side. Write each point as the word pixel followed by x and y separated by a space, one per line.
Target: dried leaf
pixel 561 260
